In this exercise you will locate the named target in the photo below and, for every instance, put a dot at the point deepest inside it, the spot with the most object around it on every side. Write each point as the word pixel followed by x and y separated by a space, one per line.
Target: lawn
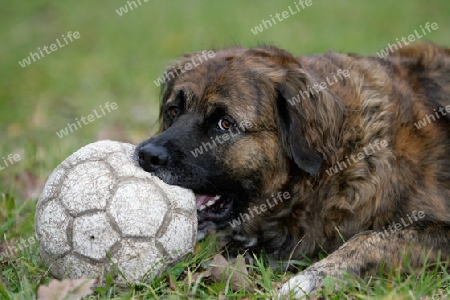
pixel 116 59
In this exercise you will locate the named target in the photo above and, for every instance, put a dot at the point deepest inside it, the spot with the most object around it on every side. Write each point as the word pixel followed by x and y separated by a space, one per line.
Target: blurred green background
pixel 117 58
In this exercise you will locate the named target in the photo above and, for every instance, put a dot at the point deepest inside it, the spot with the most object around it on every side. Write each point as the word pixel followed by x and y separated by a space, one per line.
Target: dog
pixel 335 154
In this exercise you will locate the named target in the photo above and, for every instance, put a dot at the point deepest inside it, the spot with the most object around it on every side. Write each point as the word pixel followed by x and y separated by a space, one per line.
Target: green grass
pixel 116 59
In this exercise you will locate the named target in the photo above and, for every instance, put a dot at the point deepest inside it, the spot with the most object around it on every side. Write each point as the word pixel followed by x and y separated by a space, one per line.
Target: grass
pixel 116 59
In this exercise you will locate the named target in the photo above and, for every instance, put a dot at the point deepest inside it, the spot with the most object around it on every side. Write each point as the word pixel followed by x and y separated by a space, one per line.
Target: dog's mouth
pixel 213 210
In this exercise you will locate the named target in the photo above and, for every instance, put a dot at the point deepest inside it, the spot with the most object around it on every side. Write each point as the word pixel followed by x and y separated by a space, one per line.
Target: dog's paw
pixel 301 285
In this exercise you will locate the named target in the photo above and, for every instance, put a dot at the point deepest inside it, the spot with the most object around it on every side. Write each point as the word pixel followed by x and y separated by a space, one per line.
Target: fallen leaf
pixel 172 284
pixel 199 275
pixel 222 296
pixel 218 265
pixel 235 272
pixel 197 249
pixel 67 289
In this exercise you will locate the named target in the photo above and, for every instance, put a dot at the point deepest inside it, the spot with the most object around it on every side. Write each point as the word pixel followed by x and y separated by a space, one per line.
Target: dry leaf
pixel 172 284
pixel 199 275
pixel 67 289
pixel 240 277
pixel 236 272
pixel 222 296
pixel 197 248
pixel 218 265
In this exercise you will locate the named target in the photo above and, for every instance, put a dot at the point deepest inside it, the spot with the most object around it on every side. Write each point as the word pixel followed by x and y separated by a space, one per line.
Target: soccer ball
pixel 100 213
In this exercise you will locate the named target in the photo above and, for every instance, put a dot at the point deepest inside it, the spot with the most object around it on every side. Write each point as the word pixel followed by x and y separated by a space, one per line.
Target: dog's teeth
pixel 217 197
pixel 210 202
pixel 202 207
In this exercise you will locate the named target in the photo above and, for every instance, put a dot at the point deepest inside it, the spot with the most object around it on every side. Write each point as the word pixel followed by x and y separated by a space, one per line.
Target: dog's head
pixel 233 132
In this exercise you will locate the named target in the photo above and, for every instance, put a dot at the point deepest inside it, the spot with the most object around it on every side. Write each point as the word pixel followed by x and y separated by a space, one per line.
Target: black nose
pixel 151 156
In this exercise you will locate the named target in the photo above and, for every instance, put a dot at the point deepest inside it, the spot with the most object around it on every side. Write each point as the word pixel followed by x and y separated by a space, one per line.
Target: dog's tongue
pixel 203 199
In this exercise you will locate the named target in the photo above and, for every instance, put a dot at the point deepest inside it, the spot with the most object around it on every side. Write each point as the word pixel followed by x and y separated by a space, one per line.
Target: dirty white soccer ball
pixel 99 212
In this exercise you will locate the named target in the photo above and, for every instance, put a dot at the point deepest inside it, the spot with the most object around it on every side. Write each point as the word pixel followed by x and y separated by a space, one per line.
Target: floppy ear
pixel 311 119
pixel 308 120
pixel 292 127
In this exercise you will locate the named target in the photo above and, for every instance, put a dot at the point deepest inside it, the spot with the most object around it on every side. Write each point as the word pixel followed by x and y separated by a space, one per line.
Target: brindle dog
pixel 358 147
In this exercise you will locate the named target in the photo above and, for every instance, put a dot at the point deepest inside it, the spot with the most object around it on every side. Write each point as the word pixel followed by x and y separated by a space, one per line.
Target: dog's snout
pixel 151 156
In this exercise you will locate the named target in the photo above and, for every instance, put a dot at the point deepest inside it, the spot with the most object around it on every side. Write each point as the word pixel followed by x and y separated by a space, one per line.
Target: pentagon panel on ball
pixel 100 213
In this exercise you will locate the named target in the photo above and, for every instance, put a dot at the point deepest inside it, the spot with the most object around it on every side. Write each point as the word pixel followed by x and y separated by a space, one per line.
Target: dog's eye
pixel 225 124
pixel 173 112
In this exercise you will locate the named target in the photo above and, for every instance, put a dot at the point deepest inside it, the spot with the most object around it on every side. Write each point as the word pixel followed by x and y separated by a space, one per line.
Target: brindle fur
pixel 290 147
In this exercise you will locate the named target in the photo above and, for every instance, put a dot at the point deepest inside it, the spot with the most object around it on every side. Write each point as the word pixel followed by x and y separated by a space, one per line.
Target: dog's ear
pixel 292 128
pixel 309 118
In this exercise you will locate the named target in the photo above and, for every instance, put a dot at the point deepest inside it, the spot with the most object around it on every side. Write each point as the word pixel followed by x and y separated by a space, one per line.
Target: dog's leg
pixel 365 253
